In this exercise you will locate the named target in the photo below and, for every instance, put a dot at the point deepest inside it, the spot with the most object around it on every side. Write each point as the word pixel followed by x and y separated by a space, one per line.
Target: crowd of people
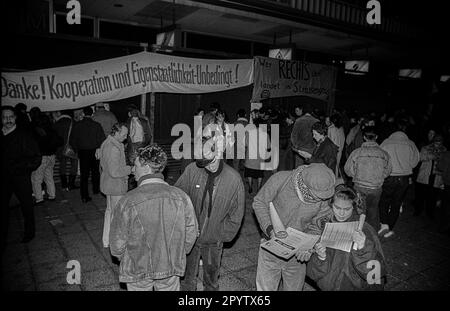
pixel 332 169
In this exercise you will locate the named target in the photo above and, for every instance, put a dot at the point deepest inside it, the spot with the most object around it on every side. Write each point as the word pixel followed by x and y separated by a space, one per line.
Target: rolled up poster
pixel 277 224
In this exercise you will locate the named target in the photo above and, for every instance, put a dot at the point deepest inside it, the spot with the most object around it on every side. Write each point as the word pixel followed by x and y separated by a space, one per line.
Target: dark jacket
pixel 20 153
pixel 444 167
pixel 301 136
pixel 325 152
pixel 348 271
pixel 87 135
pixel 153 228
pixel 228 202
pixel 47 138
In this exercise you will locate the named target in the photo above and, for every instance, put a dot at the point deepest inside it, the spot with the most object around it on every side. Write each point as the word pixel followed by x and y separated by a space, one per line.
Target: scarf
pixel 302 190
pixel 209 187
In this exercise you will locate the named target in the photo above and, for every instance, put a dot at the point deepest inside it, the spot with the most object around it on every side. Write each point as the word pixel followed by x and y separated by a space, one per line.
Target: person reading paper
pixel 362 268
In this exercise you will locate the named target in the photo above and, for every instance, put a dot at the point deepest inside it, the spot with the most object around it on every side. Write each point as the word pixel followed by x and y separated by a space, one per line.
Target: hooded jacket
pixel 348 271
pixel 403 153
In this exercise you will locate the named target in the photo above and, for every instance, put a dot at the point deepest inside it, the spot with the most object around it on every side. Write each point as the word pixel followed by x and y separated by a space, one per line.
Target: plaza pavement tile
pixel 418 257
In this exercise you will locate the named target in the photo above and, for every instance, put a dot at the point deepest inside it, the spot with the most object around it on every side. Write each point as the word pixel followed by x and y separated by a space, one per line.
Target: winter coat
pixel 228 202
pixel 368 165
pixel 349 271
pixel 113 167
pixel 403 153
pixel 325 152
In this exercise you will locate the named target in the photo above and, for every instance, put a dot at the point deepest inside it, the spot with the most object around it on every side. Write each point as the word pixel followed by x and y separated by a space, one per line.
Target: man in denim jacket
pixel 369 165
pixel 153 227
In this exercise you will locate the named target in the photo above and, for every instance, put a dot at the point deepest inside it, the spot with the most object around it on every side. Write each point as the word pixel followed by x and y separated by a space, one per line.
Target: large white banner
pixel 82 85
pixel 281 78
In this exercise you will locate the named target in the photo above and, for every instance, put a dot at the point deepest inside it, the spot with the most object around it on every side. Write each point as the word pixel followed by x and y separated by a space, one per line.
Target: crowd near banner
pixel 282 78
pixel 81 85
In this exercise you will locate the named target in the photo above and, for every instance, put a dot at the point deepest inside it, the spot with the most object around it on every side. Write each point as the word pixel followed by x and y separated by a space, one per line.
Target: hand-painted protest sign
pixel 281 78
pixel 85 84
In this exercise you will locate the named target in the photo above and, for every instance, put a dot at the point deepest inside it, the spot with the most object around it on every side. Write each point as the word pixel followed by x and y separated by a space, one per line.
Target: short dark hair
pixel 10 108
pixel 370 133
pixel 241 113
pixel 153 156
pixel 20 106
pixel 87 111
pixel 307 108
pixel 336 120
pixel 117 127
pixel 320 127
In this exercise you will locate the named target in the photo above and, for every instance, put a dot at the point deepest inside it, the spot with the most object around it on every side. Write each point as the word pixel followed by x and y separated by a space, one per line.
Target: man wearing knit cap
pixel 300 199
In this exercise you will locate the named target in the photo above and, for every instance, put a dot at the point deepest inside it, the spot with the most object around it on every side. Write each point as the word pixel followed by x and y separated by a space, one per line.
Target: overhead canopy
pixel 77 86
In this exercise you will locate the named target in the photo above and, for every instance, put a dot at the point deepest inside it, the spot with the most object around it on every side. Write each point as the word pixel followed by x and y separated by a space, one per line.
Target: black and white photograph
pixel 248 147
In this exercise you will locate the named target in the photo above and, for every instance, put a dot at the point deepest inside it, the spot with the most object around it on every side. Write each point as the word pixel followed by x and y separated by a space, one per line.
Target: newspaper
pixel 287 247
pixel 339 235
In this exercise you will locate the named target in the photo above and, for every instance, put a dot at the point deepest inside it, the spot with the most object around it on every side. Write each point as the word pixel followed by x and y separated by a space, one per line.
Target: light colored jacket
pixel 153 228
pixel 113 167
pixel 337 136
pixel 368 165
pixel 403 152
pixel 428 154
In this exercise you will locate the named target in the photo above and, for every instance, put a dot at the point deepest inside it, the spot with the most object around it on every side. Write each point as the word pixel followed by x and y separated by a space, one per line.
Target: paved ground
pixel 418 257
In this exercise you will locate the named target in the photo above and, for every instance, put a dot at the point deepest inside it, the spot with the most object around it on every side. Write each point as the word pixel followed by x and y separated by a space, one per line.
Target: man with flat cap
pixel 300 198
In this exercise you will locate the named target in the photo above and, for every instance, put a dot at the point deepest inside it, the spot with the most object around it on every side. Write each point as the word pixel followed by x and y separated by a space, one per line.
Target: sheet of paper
pixel 339 235
pixel 287 247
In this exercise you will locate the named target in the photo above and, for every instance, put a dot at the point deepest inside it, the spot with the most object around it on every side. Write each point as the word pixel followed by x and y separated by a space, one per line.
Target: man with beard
pixel 20 157
pixel 217 193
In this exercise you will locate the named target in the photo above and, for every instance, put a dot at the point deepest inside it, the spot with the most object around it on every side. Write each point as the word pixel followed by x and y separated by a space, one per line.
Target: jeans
pixel 44 173
pixel 371 199
pixel 211 256
pixel 88 165
pixel 394 188
pixel 21 186
pixel 111 201
pixel 168 284
pixel 272 269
